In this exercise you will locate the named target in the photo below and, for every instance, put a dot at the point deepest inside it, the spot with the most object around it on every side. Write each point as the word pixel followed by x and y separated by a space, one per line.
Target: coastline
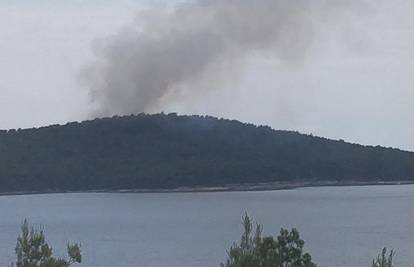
pixel 273 186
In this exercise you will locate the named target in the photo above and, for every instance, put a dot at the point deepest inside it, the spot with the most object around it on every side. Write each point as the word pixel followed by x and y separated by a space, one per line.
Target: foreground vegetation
pixel 384 259
pixel 170 151
pixel 253 250
pixel 286 250
pixel 32 250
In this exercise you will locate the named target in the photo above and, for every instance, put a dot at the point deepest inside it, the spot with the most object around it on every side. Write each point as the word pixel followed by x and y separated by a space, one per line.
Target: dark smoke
pixel 164 51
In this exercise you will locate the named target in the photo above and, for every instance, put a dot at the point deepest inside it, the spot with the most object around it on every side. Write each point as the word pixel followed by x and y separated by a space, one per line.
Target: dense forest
pixel 170 151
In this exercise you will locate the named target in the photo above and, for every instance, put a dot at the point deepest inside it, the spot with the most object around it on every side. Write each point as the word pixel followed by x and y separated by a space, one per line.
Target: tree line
pixel 169 151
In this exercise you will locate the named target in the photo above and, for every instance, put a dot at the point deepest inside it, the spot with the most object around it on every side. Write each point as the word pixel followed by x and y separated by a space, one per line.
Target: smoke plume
pixel 166 52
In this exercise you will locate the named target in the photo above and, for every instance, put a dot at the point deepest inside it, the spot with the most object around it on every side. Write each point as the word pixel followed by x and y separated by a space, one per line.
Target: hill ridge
pixel 169 151
pixel 71 123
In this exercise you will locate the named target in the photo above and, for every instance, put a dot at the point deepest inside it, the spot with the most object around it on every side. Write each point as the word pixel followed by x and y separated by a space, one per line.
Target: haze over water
pixel 342 226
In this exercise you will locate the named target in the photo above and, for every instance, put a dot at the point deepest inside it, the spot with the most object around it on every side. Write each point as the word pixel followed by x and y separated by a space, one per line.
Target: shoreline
pixel 274 186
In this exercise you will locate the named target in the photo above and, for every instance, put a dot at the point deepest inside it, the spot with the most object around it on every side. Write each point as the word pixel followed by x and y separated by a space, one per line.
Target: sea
pixel 341 226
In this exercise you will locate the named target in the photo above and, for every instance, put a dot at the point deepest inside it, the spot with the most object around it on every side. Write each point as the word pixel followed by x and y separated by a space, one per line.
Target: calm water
pixel 342 226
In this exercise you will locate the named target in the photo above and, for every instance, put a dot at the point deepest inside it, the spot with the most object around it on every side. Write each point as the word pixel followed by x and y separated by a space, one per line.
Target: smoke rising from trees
pixel 322 67
pixel 167 52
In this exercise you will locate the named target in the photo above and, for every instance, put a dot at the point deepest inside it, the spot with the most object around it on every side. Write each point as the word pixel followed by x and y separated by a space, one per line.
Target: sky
pixel 355 81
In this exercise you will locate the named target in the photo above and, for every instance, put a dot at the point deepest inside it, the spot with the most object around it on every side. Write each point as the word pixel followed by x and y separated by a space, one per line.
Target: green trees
pixel 253 250
pixel 170 151
pixel 383 260
pixel 32 250
pixel 286 250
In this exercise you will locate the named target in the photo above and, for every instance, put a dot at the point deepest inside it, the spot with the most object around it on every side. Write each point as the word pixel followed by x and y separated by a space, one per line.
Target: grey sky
pixel 356 81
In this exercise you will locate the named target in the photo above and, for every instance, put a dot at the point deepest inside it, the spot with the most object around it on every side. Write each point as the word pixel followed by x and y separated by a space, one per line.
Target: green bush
pixel 383 260
pixel 32 250
pixel 253 250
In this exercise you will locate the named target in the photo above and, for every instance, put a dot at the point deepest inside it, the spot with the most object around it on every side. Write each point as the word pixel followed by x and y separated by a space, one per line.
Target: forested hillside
pixel 169 151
